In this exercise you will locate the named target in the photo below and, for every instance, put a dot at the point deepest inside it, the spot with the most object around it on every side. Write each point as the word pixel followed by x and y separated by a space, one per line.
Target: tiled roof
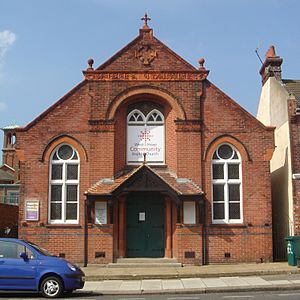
pixel 180 186
pixel 293 86
pixel 106 187
pixel 6 176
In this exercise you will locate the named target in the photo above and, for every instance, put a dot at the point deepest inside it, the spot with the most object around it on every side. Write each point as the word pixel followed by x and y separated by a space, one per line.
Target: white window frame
pixel 226 182
pixel 155 122
pixel 136 122
pixel 64 182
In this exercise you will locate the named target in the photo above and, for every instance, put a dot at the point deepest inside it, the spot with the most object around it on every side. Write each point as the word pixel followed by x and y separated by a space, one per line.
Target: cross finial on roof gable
pixel 145 19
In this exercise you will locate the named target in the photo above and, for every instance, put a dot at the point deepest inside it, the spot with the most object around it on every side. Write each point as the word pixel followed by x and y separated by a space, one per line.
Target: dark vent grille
pixel 99 254
pixel 189 254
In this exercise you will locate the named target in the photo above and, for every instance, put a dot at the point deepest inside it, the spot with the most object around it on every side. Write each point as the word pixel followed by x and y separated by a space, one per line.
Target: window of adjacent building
pixel 226 185
pixel 189 212
pixel 13 197
pixel 145 135
pixel 64 185
pixel 13 139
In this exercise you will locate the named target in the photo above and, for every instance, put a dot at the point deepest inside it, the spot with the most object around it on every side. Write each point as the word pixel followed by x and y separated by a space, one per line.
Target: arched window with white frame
pixel 64 185
pixel 145 135
pixel 155 117
pixel 227 204
pixel 136 117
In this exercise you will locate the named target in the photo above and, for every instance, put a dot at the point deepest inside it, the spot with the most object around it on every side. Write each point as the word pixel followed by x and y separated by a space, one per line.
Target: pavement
pixel 191 279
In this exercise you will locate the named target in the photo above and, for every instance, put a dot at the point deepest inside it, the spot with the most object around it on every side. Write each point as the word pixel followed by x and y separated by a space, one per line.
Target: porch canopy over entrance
pixel 141 199
pixel 146 179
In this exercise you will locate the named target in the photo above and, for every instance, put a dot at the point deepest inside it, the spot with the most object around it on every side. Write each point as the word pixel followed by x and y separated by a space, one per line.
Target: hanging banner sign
pixel 145 139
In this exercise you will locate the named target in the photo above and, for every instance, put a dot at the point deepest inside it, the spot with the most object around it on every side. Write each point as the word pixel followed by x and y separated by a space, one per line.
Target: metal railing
pixel 10 199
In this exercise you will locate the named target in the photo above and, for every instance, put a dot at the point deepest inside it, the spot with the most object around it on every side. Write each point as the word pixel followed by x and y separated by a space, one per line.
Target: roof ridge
pixel 297 80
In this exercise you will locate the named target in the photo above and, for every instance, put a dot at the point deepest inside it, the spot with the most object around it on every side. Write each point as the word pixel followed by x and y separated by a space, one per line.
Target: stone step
pixel 146 260
pixel 145 263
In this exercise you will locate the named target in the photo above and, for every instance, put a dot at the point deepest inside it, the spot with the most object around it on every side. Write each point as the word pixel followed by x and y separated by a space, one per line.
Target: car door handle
pixel 2 262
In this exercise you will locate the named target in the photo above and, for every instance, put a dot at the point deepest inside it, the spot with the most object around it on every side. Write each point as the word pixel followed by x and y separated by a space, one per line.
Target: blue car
pixel 26 266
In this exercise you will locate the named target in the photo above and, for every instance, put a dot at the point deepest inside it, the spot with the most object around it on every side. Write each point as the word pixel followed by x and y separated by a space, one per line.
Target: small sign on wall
pixel 189 212
pixel 32 208
pixel 142 216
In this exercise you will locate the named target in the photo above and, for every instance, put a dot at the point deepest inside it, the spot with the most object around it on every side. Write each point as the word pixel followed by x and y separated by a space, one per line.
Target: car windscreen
pixel 39 249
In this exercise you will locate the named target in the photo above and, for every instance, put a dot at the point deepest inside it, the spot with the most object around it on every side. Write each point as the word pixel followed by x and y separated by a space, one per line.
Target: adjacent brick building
pixel 9 184
pixel 280 107
pixel 147 158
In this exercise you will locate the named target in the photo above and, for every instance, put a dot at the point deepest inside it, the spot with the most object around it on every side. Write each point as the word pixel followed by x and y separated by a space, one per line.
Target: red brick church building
pixel 147 158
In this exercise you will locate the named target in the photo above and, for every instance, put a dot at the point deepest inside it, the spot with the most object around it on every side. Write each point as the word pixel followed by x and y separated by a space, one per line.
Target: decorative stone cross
pixel 145 19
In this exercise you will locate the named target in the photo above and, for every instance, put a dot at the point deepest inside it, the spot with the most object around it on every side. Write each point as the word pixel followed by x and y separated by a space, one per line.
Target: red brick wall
pixel 294 122
pixel 188 239
pixel 100 240
pixel 9 158
pixel 165 60
pixel 244 244
pixel 67 240
pixel 252 240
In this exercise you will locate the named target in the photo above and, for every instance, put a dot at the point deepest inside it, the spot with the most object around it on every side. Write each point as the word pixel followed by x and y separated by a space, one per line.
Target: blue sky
pixel 44 44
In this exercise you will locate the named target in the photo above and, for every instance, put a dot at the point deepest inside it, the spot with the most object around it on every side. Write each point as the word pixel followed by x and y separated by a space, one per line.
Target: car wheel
pixel 52 287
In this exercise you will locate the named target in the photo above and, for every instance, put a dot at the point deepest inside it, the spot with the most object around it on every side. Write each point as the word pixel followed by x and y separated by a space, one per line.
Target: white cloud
pixel 7 38
pixel 3 106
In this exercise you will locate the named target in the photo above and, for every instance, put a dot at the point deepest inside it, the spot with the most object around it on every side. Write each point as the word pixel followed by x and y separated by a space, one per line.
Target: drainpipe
pixel 85 247
pixel 204 251
pixel 204 227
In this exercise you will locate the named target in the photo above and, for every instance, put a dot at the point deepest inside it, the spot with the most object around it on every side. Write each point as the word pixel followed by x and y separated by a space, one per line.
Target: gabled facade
pixel 147 158
pixel 279 106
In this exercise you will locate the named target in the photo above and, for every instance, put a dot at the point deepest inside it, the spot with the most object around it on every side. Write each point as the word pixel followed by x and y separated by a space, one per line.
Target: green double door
pixel 145 225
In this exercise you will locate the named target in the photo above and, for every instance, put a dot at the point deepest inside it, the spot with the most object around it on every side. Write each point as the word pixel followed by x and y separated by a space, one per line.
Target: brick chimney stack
pixel 271 66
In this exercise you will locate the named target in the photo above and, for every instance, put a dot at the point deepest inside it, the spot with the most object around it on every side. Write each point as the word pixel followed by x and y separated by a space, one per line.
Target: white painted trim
pixel 7 166
pixel 64 182
pixel 226 182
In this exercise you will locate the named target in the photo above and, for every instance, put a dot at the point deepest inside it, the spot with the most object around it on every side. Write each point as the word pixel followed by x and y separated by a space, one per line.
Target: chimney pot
pixel 271 66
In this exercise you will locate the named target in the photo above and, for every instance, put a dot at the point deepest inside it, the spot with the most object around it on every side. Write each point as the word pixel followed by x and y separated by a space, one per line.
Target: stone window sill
pixel 227 225
pixel 72 226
